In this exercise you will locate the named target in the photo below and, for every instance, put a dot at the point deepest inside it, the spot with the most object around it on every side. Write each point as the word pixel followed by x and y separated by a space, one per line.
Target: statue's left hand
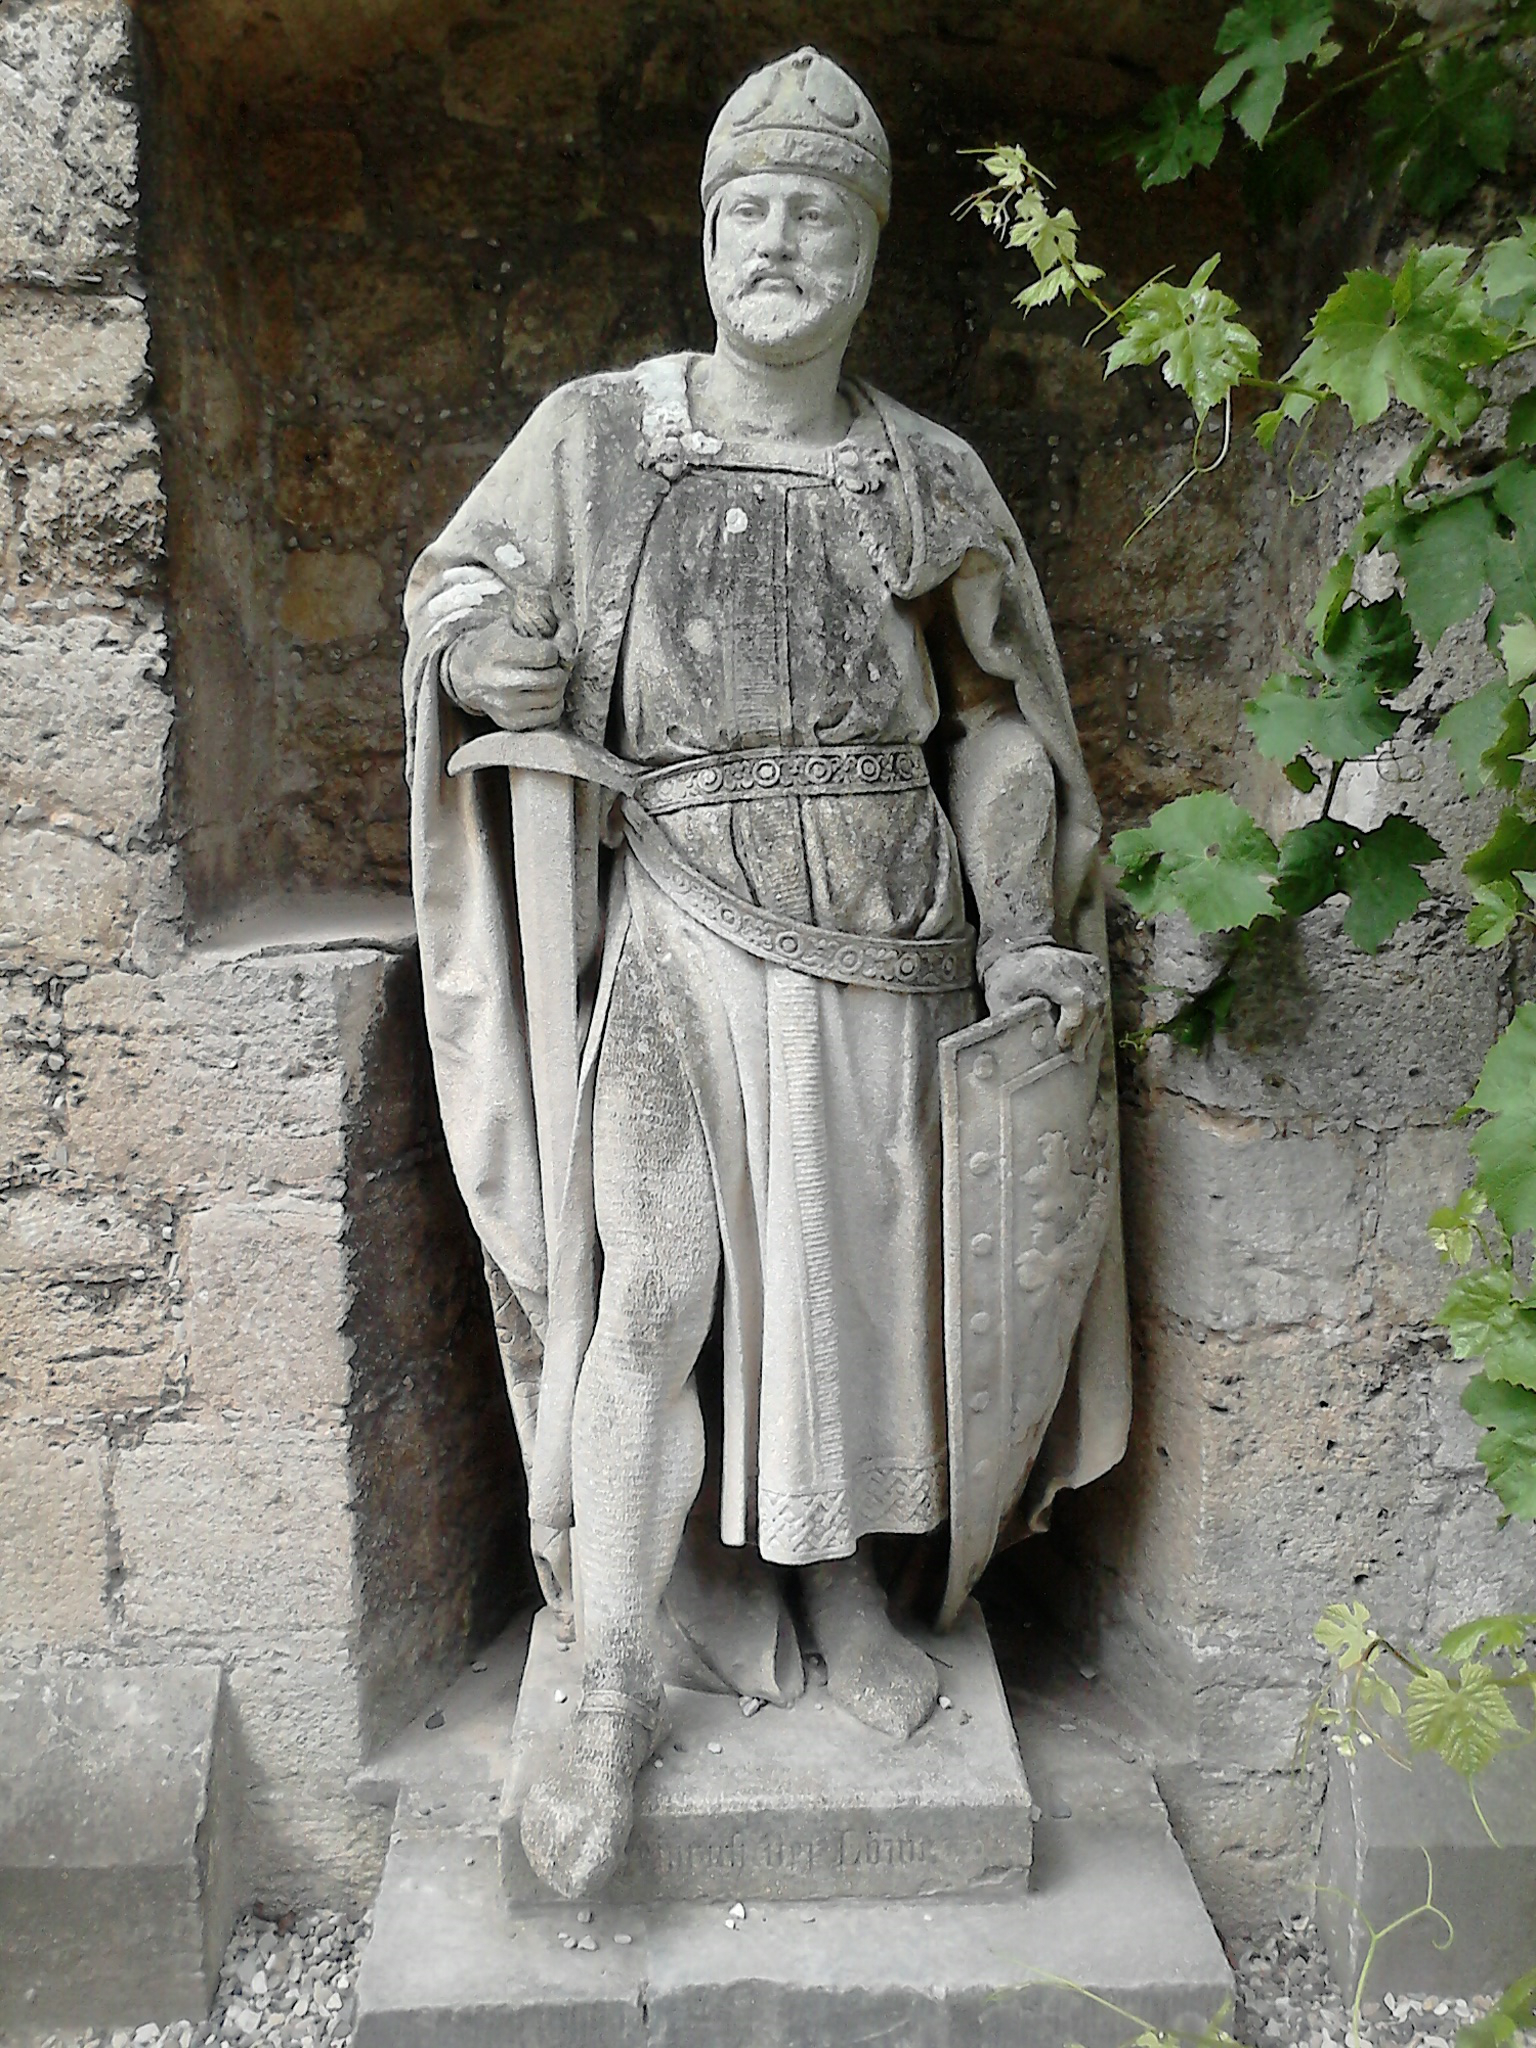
pixel 1075 982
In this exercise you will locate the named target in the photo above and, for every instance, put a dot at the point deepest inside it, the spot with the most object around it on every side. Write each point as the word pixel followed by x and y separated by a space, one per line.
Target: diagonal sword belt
pixel 917 966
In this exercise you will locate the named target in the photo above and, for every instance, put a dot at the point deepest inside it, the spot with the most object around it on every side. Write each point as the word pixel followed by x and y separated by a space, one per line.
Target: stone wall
pixel 249 1409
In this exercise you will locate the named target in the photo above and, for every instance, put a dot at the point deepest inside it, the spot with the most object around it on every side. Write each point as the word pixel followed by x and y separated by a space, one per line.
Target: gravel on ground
pixel 287 1982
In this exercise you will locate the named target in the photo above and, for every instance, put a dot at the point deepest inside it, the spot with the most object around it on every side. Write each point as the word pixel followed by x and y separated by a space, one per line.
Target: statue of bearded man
pixel 768 664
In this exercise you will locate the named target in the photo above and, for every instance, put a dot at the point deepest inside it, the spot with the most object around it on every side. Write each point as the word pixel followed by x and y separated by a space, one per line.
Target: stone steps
pixel 1110 1913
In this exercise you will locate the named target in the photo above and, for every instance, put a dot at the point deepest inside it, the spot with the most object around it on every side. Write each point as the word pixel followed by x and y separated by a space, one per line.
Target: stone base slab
pixel 1380 1823
pixel 116 1846
pixel 1110 1910
pixel 800 1802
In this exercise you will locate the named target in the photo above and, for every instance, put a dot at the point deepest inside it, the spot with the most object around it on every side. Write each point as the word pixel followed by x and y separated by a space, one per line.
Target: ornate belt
pixel 782 771
pixel 919 966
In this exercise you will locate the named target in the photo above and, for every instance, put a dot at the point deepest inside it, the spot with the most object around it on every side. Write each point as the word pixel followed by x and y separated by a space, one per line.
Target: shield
pixel 1027 1201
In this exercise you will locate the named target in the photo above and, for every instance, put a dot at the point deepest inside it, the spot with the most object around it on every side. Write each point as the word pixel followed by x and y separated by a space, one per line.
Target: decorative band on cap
pixel 802 113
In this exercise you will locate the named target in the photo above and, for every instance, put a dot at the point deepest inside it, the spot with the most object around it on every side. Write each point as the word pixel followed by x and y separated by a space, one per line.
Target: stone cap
pixel 802 113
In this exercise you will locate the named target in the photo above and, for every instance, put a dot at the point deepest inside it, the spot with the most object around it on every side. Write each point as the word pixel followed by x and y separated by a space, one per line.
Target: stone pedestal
pixel 1108 1909
pixel 1385 1830
pixel 117 1829
pixel 799 1802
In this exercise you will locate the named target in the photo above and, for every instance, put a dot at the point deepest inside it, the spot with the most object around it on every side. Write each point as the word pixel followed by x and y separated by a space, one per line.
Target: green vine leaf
pixel 1442 128
pixel 1486 1319
pixel 1508 1449
pixel 1488 1634
pixel 1265 38
pixel 1487 734
pixel 1512 554
pixel 1204 350
pixel 1369 651
pixel 1521 430
pixel 1443 553
pixel 1203 855
pixel 1453 1231
pixel 1332 596
pixel 1505 1145
pixel 1178 135
pixel 1345 1631
pixel 1340 724
pixel 1381 874
pixel 1412 337
pixel 1309 871
pixel 1515 2013
pixel 1509 848
pixel 1495 912
pixel 1508 274
pixel 1463 1719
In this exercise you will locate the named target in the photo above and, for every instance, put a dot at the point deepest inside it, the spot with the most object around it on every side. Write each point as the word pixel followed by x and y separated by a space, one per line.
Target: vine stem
pixel 1429 48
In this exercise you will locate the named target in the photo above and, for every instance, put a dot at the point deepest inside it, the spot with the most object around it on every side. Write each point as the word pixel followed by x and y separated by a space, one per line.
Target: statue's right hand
pixel 511 673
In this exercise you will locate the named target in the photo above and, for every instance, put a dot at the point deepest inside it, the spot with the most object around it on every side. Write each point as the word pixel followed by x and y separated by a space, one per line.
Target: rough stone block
pixel 1420 1170
pixel 798 1804
pixel 222 1071
pixel 300 1735
pixel 29 1038
pixel 63 898
pixel 1380 1824
pixel 61 356
pixel 53 1537
pixel 82 1234
pixel 68 139
pixel 85 718
pixel 92 511
pixel 1320 1028
pixel 117 1874
pixel 275 1541
pixel 86 1349
pixel 1231 1225
pixel 267 1298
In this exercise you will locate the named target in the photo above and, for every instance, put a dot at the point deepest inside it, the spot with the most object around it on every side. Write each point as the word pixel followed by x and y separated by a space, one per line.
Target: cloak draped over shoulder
pixel 566 510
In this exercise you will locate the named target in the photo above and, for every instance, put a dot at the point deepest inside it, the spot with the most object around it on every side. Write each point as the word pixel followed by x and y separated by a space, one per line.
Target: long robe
pixel 568 510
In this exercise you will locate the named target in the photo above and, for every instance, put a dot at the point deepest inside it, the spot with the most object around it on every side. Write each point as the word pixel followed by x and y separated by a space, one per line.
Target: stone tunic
pixel 759 619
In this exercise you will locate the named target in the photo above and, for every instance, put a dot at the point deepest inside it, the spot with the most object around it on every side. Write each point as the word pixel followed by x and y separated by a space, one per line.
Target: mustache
pixel 762 270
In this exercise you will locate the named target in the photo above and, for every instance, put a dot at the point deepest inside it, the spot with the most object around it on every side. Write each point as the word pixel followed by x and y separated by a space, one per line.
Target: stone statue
pixel 766 664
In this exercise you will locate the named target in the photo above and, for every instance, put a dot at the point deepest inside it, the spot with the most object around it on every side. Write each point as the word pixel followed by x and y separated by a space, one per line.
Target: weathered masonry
pixel 277 282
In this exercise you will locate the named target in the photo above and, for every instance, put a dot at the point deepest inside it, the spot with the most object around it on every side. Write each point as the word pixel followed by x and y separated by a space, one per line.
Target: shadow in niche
pixel 438 1488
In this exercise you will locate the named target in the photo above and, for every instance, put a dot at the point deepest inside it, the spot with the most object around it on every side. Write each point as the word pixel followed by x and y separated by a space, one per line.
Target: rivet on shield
pixel 981 1322
pixel 981 1246
pixel 984 1066
pixel 981 1162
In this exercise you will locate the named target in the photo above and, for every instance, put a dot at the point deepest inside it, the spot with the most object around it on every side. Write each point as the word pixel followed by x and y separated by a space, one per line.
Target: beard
pixel 774 307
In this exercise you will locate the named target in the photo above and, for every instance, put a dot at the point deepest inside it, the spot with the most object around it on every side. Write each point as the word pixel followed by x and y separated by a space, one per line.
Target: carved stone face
pixel 788 259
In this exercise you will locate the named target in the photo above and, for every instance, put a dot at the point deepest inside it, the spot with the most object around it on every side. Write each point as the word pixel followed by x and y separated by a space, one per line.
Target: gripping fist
pixel 1075 982
pixel 513 669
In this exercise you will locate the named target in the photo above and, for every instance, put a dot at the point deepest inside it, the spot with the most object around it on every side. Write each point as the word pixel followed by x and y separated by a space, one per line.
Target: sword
pixel 542 771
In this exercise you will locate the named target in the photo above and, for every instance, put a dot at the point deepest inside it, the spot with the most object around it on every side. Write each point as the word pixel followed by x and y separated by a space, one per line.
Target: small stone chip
pixel 735 520
pixel 479 1665
pixel 738 1911
pixel 435 1718
pixel 622 1940
pixel 809 1919
pixel 584 1917
pixel 587 1942
pixel 945 1701
pixel 717 1749
pixel 751 1706
pixel 561 1695
pixel 657 1762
